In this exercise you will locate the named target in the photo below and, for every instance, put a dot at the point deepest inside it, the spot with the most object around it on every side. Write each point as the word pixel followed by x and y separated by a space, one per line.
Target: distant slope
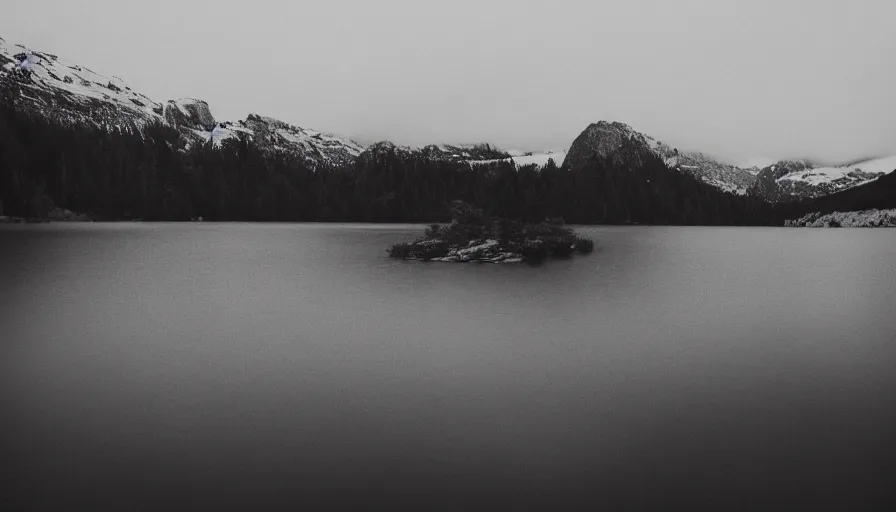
pixel 876 194
pixel 792 180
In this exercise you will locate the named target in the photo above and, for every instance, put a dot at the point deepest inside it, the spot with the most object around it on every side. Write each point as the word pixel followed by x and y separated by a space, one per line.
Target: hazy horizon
pixel 739 80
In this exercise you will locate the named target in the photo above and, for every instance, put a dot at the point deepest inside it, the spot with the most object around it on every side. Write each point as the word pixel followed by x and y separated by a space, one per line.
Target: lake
pixel 209 365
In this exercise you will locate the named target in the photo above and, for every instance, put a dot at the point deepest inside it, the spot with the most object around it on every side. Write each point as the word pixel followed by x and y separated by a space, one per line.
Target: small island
pixel 473 236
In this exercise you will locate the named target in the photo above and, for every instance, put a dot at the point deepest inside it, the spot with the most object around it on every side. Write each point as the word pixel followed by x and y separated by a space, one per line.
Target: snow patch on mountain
pixel 850 175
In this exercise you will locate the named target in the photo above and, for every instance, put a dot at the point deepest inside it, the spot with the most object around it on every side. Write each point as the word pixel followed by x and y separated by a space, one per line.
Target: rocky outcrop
pixel 859 219
pixel 189 113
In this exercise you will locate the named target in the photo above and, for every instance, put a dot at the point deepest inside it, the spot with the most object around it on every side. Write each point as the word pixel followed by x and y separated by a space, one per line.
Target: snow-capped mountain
pixel 72 94
pixel 796 179
pixel 604 138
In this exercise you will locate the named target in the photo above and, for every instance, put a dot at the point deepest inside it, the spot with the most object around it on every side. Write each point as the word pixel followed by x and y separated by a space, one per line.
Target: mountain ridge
pixel 71 93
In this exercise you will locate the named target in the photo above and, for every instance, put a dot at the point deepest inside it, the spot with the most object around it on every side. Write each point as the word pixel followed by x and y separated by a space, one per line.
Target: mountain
pixel 69 93
pixel 72 94
pixel 604 138
pixel 790 180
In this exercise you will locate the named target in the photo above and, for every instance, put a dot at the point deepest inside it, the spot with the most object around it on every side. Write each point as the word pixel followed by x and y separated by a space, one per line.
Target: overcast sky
pixel 737 78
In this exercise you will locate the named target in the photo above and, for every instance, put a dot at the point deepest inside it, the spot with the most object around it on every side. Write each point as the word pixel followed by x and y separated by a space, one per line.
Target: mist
pixel 737 79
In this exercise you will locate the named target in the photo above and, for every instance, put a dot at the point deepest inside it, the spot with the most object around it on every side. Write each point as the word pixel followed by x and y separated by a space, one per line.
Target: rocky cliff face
pixel 189 113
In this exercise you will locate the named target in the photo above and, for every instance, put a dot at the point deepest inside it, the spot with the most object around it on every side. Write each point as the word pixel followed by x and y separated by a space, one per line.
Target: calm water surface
pixel 215 365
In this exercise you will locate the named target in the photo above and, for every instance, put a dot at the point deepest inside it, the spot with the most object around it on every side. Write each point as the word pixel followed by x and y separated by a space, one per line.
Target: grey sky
pixel 738 78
